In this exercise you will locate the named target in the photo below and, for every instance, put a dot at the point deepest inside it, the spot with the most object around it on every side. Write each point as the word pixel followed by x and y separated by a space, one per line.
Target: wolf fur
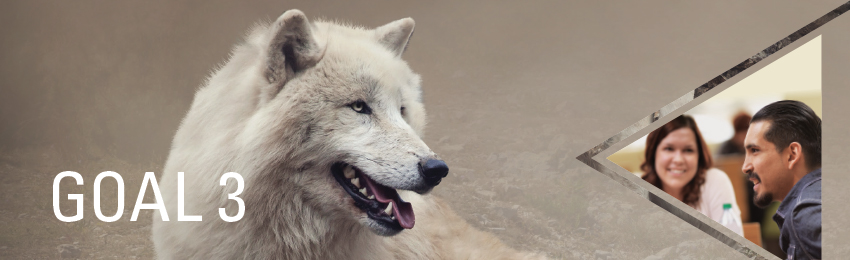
pixel 280 113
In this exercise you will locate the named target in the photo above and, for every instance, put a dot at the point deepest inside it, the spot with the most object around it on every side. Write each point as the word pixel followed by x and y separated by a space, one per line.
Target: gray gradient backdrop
pixel 515 91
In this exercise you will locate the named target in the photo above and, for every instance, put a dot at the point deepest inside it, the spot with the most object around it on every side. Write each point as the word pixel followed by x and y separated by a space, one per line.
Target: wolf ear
pixel 293 49
pixel 395 35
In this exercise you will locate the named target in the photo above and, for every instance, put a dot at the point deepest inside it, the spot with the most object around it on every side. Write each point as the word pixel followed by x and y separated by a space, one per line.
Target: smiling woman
pixel 677 161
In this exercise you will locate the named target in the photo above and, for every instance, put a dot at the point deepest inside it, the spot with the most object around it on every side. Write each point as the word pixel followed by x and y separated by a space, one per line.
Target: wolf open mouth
pixel 381 203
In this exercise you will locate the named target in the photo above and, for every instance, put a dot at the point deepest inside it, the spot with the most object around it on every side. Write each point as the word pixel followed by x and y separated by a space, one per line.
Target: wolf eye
pixel 402 111
pixel 360 107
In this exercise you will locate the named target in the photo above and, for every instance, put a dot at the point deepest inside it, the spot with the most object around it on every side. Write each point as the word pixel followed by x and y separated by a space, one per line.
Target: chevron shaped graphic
pixel 697 96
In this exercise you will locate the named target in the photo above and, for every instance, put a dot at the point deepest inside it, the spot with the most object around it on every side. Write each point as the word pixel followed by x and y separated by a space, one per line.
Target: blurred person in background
pixel 735 145
pixel 677 161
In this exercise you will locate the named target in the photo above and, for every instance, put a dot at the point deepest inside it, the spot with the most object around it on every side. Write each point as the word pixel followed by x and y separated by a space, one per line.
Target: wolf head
pixel 318 116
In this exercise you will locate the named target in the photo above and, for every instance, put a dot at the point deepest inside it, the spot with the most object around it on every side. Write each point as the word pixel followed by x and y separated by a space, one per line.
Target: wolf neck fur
pixel 291 228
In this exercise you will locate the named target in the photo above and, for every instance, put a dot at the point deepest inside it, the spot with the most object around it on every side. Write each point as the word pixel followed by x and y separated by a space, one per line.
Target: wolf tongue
pixel 402 210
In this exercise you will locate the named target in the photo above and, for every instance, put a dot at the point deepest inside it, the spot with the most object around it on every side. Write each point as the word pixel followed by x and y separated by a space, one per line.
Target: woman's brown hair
pixel 691 190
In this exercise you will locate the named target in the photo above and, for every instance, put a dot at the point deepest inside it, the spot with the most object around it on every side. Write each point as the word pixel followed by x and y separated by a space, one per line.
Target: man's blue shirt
pixel 799 219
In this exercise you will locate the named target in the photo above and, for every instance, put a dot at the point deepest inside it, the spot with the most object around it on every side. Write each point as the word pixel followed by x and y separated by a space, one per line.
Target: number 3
pixel 239 186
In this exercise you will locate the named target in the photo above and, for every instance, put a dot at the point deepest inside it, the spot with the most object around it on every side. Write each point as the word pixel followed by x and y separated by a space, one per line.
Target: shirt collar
pixel 788 202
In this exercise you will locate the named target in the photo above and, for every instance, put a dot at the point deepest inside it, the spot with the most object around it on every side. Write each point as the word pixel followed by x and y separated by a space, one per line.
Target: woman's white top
pixel 716 191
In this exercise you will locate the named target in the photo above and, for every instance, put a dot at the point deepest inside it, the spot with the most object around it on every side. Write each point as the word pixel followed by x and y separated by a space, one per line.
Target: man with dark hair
pixel 783 160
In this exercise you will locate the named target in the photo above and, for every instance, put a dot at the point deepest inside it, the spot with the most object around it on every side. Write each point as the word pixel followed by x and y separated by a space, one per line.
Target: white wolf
pixel 323 121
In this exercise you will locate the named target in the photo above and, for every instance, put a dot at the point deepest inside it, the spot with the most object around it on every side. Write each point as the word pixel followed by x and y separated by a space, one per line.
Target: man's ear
pixel 395 35
pixel 795 155
pixel 293 48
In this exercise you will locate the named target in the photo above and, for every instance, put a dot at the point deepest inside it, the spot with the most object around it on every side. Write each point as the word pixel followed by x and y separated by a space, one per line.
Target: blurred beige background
pixel 515 91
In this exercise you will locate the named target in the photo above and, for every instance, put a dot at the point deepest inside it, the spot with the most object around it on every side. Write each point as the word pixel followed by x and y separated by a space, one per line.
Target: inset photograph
pixel 701 157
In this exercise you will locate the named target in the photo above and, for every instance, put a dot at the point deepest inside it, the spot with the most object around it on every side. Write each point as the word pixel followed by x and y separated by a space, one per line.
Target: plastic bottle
pixel 729 220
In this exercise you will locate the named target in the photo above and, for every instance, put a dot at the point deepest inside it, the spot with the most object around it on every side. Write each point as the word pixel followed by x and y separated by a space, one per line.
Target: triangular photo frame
pixel 597 156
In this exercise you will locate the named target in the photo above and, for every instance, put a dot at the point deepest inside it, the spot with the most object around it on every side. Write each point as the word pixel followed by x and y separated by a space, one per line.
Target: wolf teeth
pixel 348 172
pixel 356 182
pixel 371 197
pixel 389 209
pixel 363 190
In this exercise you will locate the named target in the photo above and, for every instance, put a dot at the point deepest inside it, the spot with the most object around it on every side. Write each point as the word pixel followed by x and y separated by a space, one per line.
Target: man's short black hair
pixel 793 121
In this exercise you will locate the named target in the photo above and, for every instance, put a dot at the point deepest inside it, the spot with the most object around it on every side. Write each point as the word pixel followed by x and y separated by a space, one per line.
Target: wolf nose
pixel 433 171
